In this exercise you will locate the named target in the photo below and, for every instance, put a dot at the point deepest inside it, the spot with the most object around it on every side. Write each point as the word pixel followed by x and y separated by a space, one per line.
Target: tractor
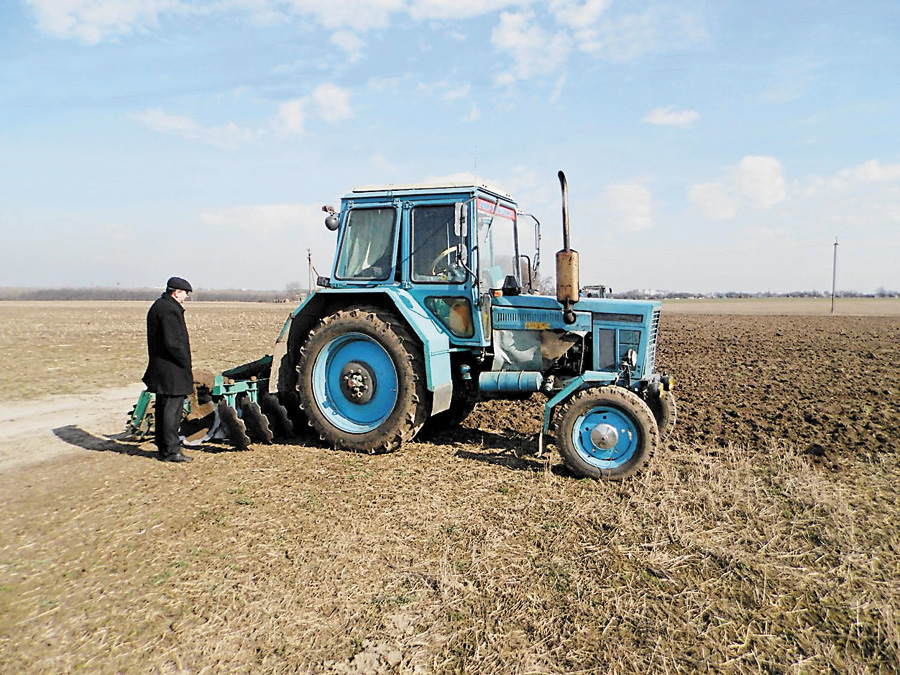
pixel 430 307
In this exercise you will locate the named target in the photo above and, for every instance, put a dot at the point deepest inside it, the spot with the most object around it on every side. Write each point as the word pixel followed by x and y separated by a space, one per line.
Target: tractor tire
pixel 606 432
pixel 361 381
pixel 665 412
pixel 290 401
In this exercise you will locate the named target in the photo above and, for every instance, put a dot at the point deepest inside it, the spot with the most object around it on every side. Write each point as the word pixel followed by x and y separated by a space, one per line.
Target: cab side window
pixel 434 246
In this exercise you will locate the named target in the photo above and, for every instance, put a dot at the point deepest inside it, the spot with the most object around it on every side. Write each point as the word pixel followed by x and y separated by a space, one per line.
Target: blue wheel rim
pixel 344 413
pixel 627 445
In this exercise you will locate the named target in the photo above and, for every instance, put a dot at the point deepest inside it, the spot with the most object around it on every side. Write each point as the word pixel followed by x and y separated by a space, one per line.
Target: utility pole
pixel 834 274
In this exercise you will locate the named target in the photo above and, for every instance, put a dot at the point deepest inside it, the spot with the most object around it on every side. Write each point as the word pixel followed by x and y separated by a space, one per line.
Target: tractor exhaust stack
pixel 567 285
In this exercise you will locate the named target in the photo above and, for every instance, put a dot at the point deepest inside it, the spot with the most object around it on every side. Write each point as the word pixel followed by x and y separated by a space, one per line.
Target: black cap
pixel 180 284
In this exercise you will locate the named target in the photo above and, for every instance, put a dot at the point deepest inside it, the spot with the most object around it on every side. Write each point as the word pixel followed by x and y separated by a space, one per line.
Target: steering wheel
pixel 439 257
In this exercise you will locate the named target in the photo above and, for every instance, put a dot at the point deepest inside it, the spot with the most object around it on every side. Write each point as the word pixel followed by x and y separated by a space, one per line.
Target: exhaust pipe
pixel 567 287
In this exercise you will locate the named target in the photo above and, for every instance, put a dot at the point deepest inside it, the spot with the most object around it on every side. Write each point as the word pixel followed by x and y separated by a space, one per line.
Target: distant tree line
pixel 147 294
pixel 640 294
pixel 293 292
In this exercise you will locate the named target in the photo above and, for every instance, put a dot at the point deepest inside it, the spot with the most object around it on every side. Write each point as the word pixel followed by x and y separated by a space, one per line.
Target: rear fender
pixel 434 342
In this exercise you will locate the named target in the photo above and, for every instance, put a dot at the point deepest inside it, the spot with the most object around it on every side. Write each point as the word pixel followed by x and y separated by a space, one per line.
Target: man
pixel 169 374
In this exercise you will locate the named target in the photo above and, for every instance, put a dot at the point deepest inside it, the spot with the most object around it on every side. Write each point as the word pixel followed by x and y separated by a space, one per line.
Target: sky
pixel 709 145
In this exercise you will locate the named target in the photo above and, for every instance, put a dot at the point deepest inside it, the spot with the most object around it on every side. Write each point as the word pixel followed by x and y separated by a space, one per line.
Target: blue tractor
pixel 430 307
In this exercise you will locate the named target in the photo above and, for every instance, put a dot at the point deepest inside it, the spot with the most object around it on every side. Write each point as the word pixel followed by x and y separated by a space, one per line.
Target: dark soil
pixel 827 384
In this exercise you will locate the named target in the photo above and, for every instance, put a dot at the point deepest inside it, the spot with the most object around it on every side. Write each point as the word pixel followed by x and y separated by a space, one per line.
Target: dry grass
pixel 459 556
pixel 71 347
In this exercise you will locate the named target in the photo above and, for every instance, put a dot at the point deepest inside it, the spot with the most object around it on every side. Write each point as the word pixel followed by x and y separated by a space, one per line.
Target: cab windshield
pixel 497 249
pixel 368 245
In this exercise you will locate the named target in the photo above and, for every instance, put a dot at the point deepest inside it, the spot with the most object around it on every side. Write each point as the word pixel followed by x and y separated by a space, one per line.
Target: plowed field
pixel 762 538
pixel 828 385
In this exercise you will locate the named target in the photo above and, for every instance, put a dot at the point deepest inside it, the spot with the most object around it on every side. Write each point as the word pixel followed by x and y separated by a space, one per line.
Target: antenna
pixel 309 267
pixel 834 274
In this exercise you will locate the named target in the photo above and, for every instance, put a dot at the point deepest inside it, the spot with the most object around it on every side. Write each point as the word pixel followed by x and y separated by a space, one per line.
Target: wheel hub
pixel 604 436
pixel 358 382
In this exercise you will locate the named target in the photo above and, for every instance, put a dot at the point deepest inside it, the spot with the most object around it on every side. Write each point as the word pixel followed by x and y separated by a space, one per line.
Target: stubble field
pixel 762 538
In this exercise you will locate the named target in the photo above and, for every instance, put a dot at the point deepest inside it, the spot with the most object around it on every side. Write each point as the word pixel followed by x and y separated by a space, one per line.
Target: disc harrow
pixel 235 405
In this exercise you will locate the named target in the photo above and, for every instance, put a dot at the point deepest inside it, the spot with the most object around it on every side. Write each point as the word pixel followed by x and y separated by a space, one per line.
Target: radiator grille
pixel 651 343
pixel 510 319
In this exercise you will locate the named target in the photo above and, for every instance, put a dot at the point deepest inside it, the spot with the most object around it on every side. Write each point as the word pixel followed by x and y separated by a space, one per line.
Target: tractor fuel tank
pixel 506 381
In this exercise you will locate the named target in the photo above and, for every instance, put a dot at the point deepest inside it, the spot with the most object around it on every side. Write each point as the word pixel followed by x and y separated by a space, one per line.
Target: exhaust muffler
pixel 568 289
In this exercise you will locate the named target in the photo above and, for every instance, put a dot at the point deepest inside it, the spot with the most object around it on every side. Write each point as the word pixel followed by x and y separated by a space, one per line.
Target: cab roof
pixel 425 188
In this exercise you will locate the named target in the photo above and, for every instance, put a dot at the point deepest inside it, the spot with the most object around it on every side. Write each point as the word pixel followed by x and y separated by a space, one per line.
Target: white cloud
pixel 760 179
pixel 91 21
pixel 630 206
pixel 383 164
pixel 871 171
pixel 534 51
pixel 226 136
pixel 462 91
pixel 332 102
pixel 578 14
pixel 329 102
pixel 262 217
pixel 537 35
pixel 671 116
pixel 755 180
pixel 458 9
pixel 582 18
pixel 359 15
pixel 292 116
pixel 658 29
pixel 713 201
pixel 473 114
pixel 351 43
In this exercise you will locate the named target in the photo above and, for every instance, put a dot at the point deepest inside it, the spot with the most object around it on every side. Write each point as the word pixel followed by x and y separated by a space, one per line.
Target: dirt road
pixel 58 426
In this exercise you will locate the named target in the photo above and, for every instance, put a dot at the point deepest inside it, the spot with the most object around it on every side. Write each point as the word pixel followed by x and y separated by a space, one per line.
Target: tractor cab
pixel 450 247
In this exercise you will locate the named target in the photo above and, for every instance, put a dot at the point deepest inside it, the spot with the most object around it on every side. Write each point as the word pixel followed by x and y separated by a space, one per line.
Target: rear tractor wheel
pixel 361 381
pixel 606 432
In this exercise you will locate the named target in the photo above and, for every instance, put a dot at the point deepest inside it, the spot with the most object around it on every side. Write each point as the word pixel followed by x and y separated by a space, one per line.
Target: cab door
pixel 436 265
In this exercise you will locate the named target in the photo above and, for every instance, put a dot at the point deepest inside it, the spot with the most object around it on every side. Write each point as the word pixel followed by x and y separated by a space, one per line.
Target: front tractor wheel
pixel 361 381
pixel 606 432
pixel 665 412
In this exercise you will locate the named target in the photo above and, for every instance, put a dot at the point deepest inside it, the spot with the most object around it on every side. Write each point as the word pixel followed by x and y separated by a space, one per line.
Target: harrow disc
pixel 143 428
pixel 277 414
pixel 199 429
pixel 255 422
pixel 237 432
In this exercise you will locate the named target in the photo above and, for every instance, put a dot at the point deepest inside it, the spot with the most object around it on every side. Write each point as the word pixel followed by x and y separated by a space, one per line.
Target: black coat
pixel 169 370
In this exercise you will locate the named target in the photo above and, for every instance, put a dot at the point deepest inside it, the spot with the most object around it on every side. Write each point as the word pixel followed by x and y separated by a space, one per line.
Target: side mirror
pixel 331 221
pixel 461 221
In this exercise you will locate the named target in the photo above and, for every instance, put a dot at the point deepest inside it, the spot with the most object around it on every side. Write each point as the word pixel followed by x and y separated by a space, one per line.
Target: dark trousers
pixel 168 420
